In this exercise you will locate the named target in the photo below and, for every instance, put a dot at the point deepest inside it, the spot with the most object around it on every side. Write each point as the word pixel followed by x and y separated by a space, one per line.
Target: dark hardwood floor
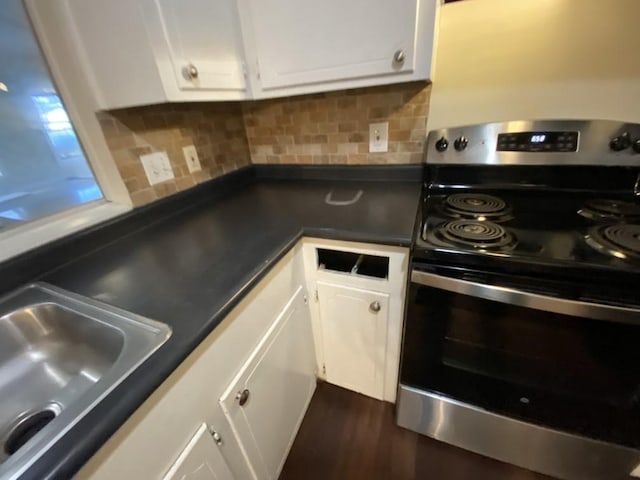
pixel 349 436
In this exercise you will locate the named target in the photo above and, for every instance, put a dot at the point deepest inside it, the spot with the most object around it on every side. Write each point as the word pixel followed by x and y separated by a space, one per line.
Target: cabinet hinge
pixel 245 70
pixel 324 369
pixel 315 295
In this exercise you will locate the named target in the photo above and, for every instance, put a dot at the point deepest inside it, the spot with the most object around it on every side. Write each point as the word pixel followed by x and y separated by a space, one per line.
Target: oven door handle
pixel 521 298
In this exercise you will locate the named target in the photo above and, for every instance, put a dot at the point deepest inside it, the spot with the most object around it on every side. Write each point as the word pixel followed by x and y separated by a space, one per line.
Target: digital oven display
pixel 538 142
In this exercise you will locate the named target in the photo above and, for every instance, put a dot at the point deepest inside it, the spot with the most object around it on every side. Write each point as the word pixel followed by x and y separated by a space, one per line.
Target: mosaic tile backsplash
pixel 327 128
pixel 333 128
pixel 215 129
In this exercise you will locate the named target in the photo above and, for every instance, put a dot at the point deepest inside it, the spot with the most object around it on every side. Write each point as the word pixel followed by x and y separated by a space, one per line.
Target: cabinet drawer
pixel 353 263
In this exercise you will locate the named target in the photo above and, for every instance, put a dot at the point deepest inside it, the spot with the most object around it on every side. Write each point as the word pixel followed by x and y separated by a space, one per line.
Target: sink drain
pixel 26 429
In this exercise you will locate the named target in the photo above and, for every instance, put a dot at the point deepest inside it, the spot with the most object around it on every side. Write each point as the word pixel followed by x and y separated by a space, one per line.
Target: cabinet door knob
pixel 216 437
pixel 243 397
pixel 191 71
pixel 399 56
pixel 375 306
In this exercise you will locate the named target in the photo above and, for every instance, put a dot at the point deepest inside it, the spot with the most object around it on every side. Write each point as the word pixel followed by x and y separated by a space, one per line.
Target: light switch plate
pixel 157 167
pixel 191 157
pixel 379 137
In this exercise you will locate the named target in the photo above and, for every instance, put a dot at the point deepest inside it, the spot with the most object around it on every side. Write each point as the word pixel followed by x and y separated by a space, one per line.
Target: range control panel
pixel 538 142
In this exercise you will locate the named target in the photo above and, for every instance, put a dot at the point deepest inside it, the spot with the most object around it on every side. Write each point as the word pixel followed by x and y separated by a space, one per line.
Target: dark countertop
pixel 192 265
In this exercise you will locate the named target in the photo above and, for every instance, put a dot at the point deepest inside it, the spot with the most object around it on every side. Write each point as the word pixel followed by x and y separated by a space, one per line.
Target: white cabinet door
pixel 137 52
pixel 109 40
pixel 200 460
pixel 197 43
pixel 267 400
pixel 148 443
pixel 310 42
pixel 354 333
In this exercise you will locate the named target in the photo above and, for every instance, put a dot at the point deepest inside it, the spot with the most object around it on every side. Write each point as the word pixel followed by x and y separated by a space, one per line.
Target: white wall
pixel 531 59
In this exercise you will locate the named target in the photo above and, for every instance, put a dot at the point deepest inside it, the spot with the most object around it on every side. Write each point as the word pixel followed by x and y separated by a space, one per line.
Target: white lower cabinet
pixel 354 329
pixel 200 460
pixel 266 401
pixel 232 409
pixel 358 294
pixel 264 345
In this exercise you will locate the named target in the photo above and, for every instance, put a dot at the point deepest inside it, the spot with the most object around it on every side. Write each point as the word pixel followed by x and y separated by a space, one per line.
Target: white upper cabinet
pixel 304 46
pixel 138 52
pixel 198 47
pixel 113 48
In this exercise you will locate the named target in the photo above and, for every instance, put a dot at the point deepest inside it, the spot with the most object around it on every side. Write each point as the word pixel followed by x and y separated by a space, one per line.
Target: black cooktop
pixel 544 228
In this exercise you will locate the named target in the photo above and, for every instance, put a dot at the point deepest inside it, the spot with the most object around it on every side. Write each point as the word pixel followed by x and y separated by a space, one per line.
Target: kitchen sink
pixel 60 354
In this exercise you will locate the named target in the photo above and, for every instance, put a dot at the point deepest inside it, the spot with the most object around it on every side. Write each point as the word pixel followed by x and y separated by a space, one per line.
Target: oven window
pixel 573 374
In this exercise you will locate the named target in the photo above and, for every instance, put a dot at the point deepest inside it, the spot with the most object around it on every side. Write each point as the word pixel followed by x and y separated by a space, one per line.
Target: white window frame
pixel 50 21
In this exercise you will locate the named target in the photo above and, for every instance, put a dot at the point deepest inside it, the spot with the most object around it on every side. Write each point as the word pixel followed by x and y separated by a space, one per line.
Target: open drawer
pixel 353 263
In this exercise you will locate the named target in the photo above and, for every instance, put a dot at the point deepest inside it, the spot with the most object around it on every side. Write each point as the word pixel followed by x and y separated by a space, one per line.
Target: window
pixel 43 169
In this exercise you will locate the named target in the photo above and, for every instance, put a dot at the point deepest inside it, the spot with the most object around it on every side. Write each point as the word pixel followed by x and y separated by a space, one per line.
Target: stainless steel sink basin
pixel 60 354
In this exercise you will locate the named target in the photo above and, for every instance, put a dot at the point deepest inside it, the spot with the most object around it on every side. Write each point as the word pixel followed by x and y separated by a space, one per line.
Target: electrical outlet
pixel 379 137
pixel 191 156
pixel 157 167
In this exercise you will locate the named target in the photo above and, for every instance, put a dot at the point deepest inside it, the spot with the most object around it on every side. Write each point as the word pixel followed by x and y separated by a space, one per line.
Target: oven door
pixel 504 371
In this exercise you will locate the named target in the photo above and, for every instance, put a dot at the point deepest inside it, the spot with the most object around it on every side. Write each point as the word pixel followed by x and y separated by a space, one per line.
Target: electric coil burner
pixel 480 235
pixel 620 241
pixel 477 206
pixel 522 319
pixel 610 210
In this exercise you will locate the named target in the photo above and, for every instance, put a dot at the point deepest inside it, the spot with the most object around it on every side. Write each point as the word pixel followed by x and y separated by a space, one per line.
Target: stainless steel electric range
pixel 522 331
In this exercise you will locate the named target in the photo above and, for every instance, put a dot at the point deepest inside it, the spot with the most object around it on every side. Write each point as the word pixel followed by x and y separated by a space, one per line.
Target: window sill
pixel 40 232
